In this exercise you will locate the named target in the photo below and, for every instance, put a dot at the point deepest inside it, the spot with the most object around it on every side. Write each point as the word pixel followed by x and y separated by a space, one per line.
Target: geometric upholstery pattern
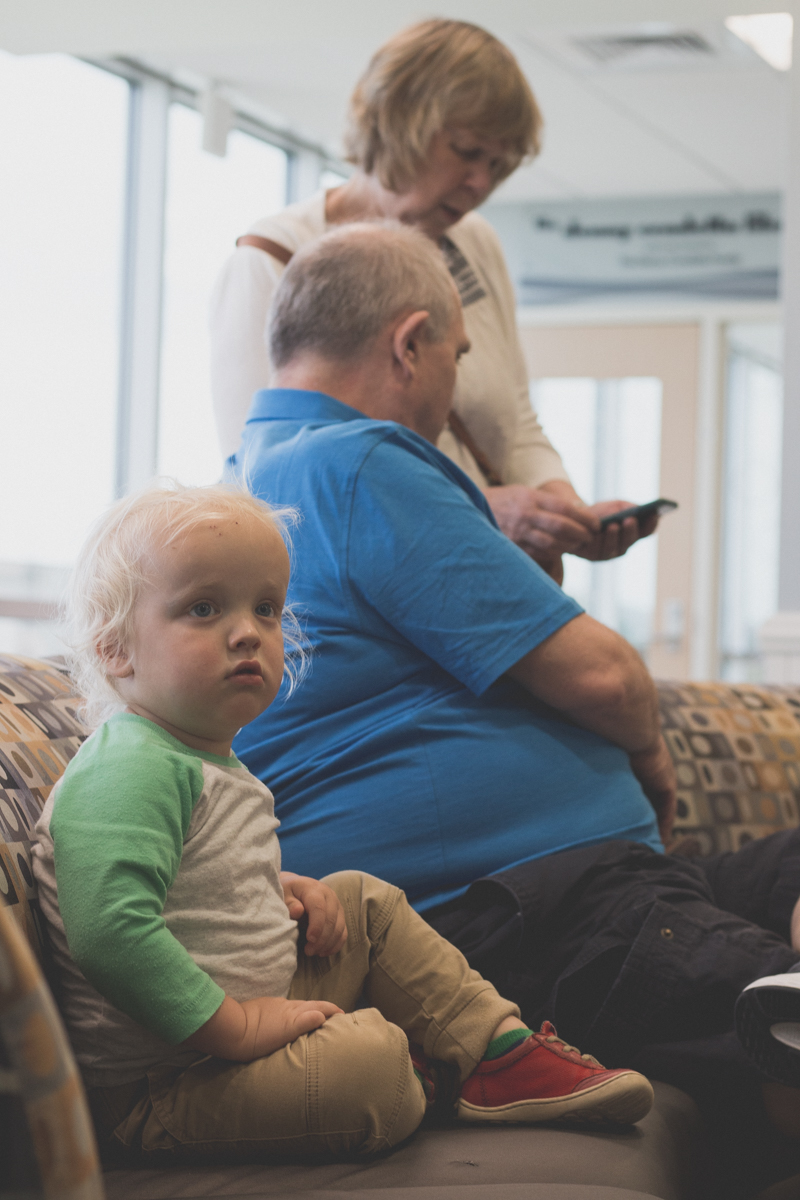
pixel 736 750
pixel 39 733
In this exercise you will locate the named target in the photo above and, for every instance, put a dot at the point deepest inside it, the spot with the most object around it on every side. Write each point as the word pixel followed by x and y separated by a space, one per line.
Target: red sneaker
pixel 544 1079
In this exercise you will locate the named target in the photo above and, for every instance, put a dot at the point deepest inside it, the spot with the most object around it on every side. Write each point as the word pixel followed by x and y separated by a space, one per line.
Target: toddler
pixel 198 1026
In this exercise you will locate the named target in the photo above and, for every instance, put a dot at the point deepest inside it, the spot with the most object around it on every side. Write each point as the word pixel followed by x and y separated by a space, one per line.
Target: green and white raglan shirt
pixel 158 871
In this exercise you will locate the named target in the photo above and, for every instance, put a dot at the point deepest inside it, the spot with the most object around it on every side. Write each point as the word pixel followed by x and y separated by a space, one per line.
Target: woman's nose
pixel 480 177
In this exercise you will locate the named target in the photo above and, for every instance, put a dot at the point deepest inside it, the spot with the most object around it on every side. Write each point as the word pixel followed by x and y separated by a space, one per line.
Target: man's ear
pixel 116 660
pixel 405 342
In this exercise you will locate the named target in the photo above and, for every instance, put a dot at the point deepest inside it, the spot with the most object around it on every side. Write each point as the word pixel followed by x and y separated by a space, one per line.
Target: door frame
pixel 684 346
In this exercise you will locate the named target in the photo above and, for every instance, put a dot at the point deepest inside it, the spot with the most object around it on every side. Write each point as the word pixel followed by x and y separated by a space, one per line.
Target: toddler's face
pixel 207 649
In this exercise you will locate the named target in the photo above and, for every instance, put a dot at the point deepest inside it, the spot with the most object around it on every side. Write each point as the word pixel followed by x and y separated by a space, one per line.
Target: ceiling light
pixel 769 34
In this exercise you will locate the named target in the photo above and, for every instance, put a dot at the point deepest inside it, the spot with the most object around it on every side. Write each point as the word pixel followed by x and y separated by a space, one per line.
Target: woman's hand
pixel 541 523
pixel 326 931
pixel 617 538
pixel 256 1028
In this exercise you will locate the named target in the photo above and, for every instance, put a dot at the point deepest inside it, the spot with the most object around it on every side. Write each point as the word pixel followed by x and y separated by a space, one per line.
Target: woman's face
pixel 459 173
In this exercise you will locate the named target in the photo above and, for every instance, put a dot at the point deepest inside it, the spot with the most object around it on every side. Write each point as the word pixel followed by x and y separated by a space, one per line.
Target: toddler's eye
pixel 201 609
pixel 265 609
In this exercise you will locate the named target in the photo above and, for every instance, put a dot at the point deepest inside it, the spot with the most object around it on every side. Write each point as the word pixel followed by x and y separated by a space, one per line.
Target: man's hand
pixel 326 932
pixel 656 773
pixel 256 1028
pixel 616 539
pixel 541 523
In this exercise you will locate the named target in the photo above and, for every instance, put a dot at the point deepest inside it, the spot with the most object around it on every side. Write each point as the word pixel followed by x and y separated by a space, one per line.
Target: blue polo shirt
pixel 405 753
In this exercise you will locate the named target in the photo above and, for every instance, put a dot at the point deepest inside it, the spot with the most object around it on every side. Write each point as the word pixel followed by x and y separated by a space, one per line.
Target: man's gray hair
pixel 341 290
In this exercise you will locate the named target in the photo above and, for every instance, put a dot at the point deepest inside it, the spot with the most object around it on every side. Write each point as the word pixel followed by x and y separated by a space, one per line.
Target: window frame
pixel 151 94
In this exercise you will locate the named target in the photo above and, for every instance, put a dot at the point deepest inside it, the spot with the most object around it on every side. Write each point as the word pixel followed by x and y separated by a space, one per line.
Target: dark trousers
pixel 638 958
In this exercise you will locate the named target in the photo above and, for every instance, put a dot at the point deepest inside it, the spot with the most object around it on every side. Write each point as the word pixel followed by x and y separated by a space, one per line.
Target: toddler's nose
pixel 245 633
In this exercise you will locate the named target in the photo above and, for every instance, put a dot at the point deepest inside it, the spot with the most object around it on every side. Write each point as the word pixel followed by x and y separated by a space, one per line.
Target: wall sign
pixel 701 247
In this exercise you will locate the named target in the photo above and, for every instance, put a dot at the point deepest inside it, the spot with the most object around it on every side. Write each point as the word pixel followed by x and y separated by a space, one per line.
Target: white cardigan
pixel 491 395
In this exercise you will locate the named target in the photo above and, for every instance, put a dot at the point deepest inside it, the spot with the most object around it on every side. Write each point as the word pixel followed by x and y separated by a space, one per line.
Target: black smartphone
pixel 642 512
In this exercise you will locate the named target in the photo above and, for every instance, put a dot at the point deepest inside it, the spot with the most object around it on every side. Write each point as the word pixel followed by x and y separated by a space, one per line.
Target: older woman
pixel 441 116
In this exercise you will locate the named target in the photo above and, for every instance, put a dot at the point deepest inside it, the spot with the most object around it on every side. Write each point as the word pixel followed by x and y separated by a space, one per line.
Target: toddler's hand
pixel 256 1028
pixel 327 931
pixel 273 1022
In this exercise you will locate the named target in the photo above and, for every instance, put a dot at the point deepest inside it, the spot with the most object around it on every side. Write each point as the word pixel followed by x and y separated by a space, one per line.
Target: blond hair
pixel 341 290
pixel 113 568
pixel 432 76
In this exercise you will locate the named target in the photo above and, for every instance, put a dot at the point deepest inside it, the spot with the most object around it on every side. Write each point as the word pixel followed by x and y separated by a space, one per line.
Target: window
pixel 608 433
pixel 210 201
pixel 63 130
pixel 87 404
pixel 751 494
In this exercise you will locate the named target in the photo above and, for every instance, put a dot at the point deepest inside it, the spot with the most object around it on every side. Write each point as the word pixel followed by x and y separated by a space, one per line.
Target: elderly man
pixel 466 731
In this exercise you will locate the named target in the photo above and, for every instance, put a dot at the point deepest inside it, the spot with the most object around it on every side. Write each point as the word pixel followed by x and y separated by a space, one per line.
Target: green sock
pixel 507 1041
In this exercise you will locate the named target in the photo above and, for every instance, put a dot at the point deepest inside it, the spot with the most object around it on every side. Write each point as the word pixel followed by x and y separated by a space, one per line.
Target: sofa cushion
pixel 482 1191
pixel 39 733
pixel 736 750
pixel 662 1156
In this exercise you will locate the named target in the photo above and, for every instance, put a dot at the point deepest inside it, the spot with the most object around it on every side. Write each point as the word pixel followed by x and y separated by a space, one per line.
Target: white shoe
pixel 768 1024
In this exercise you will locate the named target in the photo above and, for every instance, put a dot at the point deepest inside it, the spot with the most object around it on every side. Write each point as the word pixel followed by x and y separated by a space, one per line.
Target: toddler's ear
pixel 116 660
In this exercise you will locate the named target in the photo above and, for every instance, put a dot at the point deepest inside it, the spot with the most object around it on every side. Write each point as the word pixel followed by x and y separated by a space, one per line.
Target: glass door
pixel 620 403
pixel 608 432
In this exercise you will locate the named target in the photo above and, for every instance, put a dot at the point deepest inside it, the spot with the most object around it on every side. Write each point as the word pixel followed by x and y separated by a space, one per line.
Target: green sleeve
pixel 118 825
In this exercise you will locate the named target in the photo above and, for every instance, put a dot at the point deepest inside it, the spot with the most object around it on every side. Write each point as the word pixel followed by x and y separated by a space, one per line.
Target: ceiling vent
pixel 640 48
pixel 648 46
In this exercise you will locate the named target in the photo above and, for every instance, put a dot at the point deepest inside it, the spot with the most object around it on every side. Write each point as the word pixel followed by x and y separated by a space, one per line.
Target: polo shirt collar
pixel 295 404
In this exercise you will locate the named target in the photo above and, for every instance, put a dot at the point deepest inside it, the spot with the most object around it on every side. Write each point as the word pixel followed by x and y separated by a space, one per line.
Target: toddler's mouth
pixel 248 668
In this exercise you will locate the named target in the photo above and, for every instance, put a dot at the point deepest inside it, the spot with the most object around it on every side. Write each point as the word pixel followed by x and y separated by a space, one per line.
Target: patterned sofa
pixel 737 754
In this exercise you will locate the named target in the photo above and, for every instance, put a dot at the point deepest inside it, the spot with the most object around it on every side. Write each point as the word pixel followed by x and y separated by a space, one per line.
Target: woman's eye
pixel 203 609
pixel 265 609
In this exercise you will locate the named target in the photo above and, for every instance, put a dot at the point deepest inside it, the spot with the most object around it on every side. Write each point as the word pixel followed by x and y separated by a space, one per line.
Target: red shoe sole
pixel 623 1100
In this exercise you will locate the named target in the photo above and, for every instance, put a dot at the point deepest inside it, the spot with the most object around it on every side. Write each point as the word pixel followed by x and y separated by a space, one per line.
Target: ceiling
pixel 648 124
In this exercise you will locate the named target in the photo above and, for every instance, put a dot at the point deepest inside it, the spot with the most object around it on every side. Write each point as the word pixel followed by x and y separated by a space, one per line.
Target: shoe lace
pixel 572 1049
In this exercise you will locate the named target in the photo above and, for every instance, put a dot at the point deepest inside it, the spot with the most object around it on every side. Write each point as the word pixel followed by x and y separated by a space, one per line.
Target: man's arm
pixel 596 679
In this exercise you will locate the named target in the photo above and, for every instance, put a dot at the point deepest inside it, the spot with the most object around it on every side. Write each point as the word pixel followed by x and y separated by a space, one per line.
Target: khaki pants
pixel 348 1088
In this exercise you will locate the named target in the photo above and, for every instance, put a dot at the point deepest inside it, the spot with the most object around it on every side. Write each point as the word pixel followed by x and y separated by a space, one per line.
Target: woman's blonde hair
pixel 432 76
pixel 114 565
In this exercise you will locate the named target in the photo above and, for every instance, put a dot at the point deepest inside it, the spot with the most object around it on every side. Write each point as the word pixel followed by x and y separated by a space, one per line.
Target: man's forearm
pixel 596 679
pixel 626 714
